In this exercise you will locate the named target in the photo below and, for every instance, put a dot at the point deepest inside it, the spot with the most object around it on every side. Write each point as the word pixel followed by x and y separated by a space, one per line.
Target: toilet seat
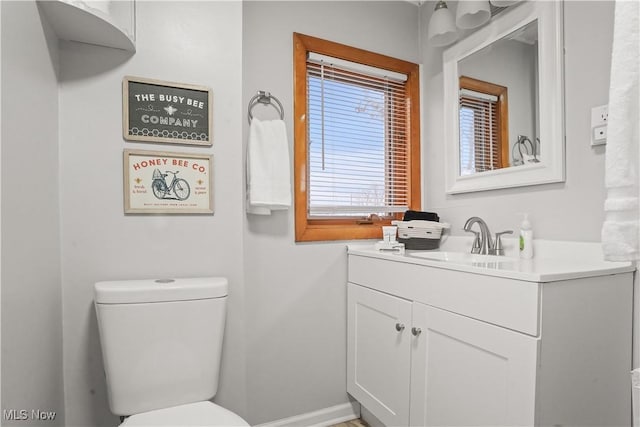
pixel 202 414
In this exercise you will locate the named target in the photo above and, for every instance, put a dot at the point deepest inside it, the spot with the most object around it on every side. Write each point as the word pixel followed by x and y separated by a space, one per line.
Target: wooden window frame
pixel 347 228
pixel 502 109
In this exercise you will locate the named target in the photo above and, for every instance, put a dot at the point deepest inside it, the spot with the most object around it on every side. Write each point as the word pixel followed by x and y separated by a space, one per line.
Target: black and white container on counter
pixel 420 234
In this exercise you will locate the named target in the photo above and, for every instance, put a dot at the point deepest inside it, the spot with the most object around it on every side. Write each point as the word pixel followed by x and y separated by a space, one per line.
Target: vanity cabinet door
pixel 378 353
pixel 466 372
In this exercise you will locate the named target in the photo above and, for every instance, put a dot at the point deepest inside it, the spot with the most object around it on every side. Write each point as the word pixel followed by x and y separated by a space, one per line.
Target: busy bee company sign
pixel 167 183
pixel 174 113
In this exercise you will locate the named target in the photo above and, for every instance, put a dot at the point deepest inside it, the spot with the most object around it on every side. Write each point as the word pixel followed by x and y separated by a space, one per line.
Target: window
pixel 484 140
pixel 357 132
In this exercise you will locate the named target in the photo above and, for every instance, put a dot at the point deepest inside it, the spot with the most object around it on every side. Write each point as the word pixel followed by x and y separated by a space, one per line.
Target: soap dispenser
pixel 526 238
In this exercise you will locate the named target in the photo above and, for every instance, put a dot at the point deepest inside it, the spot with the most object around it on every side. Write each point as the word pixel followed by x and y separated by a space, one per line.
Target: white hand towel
pixel 620 231
pixel 268 167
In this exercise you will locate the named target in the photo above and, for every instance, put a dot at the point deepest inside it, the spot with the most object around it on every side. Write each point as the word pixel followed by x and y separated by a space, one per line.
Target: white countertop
pixel 553 260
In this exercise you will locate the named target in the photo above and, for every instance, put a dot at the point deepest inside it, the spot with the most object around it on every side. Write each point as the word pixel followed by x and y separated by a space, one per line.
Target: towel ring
pixel 264 98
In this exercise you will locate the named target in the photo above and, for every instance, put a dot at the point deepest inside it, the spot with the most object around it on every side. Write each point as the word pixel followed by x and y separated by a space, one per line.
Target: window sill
pixel 328 232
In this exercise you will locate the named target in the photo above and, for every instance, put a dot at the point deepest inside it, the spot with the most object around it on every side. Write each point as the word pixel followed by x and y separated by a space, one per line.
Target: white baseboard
pixel 320 418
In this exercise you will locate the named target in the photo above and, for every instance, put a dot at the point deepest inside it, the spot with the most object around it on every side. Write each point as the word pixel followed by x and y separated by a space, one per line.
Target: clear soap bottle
pixel 526 238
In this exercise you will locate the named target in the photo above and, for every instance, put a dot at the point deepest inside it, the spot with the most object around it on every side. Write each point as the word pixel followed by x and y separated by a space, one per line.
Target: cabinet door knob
pixel 399 327
pixel 416 331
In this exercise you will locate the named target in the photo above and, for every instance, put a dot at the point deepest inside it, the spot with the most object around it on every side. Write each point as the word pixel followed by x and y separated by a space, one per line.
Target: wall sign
pixel 175 113
pixel 168 183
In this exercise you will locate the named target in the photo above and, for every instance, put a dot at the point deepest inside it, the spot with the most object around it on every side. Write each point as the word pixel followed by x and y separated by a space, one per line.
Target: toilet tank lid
pixel 159 290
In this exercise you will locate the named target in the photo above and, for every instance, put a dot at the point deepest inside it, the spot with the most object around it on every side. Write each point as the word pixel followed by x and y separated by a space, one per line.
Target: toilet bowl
pixel 192 414
pixel 161 346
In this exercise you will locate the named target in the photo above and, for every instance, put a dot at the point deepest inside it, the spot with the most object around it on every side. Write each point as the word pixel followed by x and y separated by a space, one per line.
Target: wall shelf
pixel 102 23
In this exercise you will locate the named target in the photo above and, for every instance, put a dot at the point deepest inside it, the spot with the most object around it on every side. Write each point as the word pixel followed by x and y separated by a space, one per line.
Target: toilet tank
pixel 161 340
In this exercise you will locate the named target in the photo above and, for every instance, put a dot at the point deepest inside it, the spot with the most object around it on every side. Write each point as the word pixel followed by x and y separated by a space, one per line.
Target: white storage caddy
pixel 419 234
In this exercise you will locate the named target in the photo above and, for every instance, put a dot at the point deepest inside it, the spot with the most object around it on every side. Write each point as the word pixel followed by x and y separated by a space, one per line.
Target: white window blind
pixel 479 143
pixel 358 140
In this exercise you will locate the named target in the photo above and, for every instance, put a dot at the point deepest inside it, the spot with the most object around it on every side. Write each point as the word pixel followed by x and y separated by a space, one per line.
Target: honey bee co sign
pixel 167 183
pixel 157 111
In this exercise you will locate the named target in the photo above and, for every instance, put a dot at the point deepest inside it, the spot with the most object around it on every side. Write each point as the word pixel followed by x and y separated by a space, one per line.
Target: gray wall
pixel 190 42
pixel 572 210
pixel 296 296
pixel 31 292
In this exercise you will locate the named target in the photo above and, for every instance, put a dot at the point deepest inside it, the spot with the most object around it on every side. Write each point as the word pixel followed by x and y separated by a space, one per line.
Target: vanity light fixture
pixel 472 13
pixel 442 28
pixel 503 3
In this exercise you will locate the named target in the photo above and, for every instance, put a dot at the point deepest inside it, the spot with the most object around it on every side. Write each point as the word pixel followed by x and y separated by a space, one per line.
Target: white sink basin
pixel 490 261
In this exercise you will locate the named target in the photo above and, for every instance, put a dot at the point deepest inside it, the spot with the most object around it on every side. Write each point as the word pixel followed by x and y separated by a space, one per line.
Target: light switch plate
pixel 599 136
pixel 599 120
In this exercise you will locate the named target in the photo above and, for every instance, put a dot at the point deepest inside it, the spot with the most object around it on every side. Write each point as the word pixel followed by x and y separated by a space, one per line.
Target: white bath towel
pixel 268 167
pixel 620 231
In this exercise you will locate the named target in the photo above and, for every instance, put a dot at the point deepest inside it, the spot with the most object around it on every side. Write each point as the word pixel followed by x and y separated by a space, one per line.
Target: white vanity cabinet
pixel 410 363
pixel 379 365
pixel 466 372
pixel 432 346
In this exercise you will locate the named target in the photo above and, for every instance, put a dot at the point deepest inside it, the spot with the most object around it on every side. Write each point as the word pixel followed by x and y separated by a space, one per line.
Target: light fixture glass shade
pixel 503 3
pixel 472 13
pixel 442 28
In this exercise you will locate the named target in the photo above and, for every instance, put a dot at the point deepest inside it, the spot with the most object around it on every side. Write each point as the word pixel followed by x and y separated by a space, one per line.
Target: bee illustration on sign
pixel 179 187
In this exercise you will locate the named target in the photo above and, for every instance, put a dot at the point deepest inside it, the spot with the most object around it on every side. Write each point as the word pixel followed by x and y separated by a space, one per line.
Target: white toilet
pixel 161 344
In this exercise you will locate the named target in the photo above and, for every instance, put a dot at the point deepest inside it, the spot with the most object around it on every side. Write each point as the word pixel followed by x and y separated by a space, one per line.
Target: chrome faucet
pixel 483 243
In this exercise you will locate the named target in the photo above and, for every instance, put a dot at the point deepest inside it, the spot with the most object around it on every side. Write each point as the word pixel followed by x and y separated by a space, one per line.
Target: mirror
pixel 498 111
pixel 496 134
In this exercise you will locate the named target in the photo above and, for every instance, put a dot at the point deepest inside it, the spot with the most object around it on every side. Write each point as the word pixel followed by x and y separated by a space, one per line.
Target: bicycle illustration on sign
pixel 177 189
